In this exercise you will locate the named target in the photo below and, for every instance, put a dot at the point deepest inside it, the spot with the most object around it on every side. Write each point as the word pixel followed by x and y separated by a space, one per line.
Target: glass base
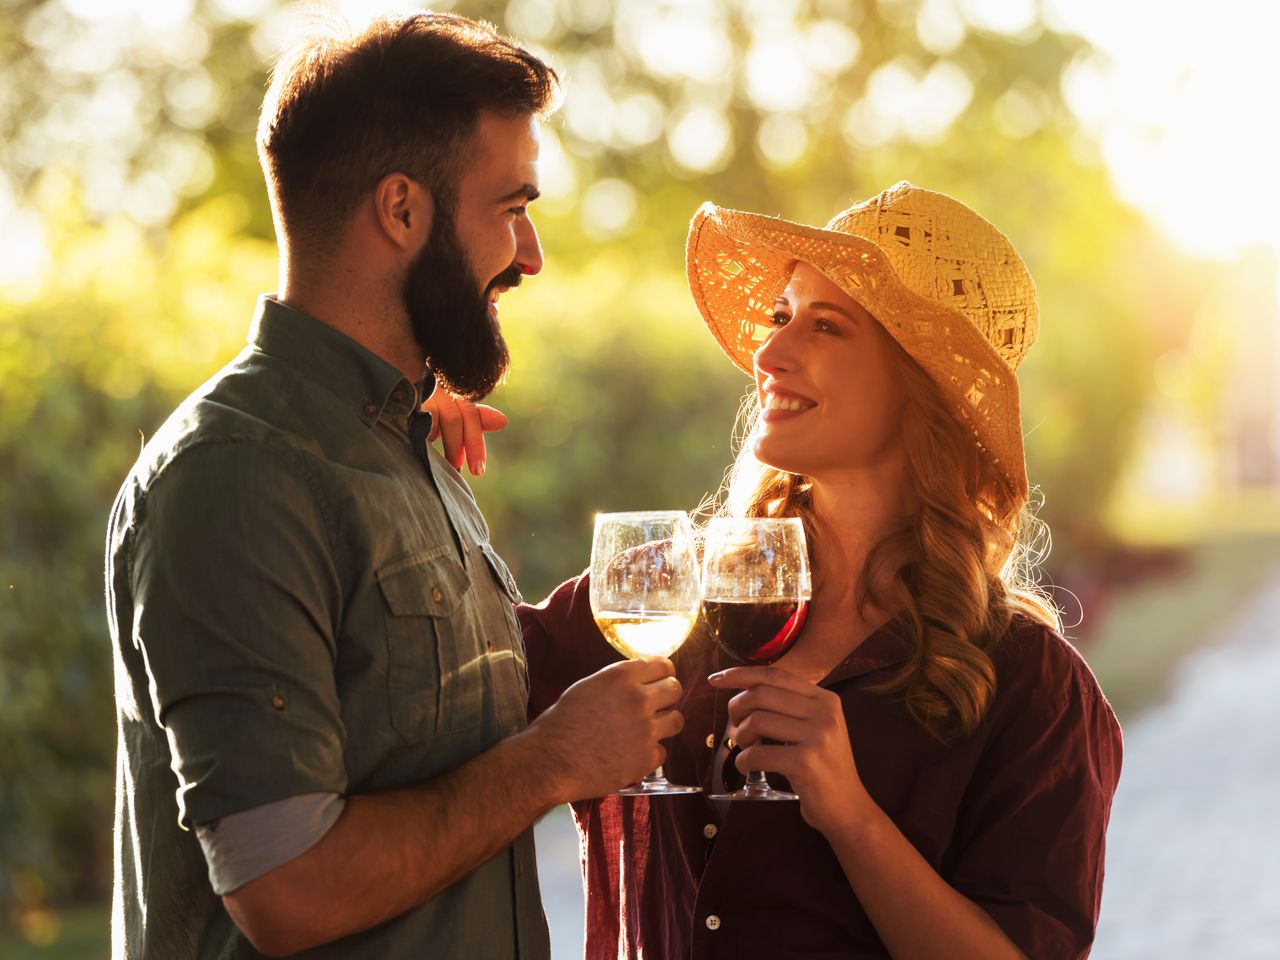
pixel 658 787
pixel 754 793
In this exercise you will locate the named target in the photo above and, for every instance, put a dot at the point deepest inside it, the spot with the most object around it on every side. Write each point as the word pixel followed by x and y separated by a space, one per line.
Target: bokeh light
pixel 1178 97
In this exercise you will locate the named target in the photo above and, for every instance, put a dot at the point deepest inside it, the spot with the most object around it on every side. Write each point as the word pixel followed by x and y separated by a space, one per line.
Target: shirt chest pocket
pixel 436 676
pixel 506 648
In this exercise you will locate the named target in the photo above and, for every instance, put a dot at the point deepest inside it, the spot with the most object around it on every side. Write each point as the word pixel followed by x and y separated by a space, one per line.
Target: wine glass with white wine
pixel 645 595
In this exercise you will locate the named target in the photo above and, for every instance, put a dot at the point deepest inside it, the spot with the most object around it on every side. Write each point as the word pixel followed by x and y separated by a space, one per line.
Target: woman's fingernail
pixel 480 469
pixel 716 676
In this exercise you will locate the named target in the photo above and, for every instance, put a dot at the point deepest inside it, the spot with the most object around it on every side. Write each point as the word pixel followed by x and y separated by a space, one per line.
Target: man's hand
pixel 604 731
pixel 463 425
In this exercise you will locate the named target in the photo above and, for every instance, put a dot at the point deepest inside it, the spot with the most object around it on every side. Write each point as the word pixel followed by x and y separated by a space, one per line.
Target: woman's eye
pixel 825 326
pixel 781 319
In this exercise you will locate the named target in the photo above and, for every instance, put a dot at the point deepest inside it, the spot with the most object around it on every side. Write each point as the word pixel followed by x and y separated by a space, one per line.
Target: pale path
pixel 1193 852
pixel 1193 857
pixel 561 880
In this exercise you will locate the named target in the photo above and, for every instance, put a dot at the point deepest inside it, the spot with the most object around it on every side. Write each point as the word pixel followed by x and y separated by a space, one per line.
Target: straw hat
pixel 946 284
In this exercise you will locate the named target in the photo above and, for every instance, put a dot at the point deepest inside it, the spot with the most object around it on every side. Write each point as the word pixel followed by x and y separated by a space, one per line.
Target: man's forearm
pixel 390 852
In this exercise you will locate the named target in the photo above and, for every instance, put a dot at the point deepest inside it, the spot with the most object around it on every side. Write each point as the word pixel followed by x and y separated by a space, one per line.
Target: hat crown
pixel 944 251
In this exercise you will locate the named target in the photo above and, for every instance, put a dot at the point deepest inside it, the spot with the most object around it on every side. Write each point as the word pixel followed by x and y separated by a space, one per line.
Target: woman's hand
pixel 916 912
pixel 463 425
pixel 813 751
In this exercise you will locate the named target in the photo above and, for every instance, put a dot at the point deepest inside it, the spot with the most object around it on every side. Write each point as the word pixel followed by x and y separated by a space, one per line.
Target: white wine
pixel 645 635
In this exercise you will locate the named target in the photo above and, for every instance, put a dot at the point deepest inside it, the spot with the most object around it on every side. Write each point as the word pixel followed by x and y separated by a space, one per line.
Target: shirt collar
pixel 356 374
pixel 887 646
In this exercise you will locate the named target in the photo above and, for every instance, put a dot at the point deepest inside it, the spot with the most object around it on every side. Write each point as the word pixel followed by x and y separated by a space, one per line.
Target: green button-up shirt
pixel 300 604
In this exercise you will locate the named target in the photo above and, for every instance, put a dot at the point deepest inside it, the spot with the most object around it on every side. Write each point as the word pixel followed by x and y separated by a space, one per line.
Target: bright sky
pixel 1183 100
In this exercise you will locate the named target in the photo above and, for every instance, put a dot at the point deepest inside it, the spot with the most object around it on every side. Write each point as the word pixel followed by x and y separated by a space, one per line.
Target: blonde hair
pixel 960 566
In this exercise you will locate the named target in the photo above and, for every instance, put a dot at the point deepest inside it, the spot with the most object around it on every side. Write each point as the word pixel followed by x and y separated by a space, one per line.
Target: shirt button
pixel 437 594
pixel 710 830
pixel 713 922
pixel 278 702
pixel 370 409
pixel 399 396
pixel 711 741
pixel 519 866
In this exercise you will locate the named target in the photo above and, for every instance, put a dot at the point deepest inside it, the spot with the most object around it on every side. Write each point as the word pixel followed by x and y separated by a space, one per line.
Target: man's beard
pixel 450 318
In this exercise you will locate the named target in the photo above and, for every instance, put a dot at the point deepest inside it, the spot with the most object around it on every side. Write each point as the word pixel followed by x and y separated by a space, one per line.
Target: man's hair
pixel 402 96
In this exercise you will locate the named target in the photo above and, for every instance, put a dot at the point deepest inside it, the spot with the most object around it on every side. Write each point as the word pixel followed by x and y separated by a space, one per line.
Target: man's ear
pixel 404 210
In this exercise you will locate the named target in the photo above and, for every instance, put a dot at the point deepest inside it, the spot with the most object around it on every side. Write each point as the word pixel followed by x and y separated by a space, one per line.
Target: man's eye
pixel 519 211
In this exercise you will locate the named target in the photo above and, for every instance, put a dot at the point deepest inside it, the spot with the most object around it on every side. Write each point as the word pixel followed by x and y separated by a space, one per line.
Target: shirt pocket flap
pixel 429 584
pixel 500 572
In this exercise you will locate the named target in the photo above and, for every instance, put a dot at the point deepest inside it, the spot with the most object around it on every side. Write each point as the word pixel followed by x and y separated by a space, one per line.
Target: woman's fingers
pixel 491 418
pixel 767 756
pixel 745 678
pixel 472 438
pixel 764 725
pixel 462 425
pixel 775 699
pixel 452 432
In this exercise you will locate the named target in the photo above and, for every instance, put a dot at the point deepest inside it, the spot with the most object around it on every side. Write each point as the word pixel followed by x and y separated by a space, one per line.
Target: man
pixel 320 681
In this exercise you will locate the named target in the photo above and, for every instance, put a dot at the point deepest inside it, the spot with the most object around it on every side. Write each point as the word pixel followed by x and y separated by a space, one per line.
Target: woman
pixel 954 757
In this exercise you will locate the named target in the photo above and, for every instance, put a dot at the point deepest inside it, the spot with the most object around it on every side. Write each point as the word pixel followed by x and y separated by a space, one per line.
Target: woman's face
pixel 832 406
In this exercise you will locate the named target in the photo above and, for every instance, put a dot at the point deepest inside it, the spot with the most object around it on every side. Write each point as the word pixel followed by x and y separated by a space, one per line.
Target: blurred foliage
pixel 78 933
pixel 134 148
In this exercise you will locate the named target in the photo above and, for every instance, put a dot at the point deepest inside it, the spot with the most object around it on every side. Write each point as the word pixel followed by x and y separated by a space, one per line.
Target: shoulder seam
pixel 284 451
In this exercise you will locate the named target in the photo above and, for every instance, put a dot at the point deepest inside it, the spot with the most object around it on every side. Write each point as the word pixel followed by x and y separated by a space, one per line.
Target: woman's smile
pixel 784 405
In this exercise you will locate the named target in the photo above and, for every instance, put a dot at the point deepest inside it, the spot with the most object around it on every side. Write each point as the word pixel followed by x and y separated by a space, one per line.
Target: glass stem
pixel 755 782
pixel 656 777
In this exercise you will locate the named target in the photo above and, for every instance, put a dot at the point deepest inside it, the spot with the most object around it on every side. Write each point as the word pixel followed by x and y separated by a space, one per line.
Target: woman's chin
pixel 774 454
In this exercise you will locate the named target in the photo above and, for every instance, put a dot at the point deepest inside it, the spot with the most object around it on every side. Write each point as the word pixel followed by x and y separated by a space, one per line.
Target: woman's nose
pixel 777 353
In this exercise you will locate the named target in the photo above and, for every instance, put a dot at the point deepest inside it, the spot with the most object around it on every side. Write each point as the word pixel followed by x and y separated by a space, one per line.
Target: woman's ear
pixel 405 210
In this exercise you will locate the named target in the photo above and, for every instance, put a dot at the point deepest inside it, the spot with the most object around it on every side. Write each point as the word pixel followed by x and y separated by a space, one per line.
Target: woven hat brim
pixel 738 262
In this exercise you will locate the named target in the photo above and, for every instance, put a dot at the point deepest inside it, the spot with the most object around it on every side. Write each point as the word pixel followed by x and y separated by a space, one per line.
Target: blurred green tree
pixel 130 176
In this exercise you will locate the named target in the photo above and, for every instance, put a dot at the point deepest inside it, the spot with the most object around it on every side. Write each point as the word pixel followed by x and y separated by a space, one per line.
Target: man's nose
pixel 528 249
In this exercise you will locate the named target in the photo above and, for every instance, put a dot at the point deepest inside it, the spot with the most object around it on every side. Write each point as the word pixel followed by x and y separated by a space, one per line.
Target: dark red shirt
pixel 1013 816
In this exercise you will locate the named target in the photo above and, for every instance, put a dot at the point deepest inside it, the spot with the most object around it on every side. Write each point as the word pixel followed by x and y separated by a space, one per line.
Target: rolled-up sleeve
pixel 242 847
pixel 1032 838
pixel 237 596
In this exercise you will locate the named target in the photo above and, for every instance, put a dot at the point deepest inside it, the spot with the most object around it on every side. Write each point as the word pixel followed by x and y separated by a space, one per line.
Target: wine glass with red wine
pixel 755 596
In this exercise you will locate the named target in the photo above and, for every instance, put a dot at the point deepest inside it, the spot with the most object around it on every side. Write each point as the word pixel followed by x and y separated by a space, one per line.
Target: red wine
pixel 754 632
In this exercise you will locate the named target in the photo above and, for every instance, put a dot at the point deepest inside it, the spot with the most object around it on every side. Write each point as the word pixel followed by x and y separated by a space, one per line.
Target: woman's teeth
pixel 784 403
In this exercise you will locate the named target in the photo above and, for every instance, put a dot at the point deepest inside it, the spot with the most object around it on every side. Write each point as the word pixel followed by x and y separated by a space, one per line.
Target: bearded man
pixel 321 685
